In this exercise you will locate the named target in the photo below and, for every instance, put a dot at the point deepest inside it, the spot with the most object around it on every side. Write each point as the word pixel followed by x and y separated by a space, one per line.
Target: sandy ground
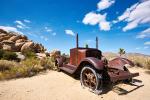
pixel 59 86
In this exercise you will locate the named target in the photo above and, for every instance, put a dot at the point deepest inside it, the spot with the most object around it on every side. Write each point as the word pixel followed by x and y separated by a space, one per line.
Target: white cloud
pixel 19 26
pixel 27 21
pixel 44 38
pixel 103 4
pixel 144 34
pixel 48 29
pixel 126 14
pixel 10 29
pixel 92 18
pixel 54 33
pixel 69 32
pixel 137 14
pixel 20 23
pixel 147 43
pixel 138 48
pixel 146 47
pixel 104 25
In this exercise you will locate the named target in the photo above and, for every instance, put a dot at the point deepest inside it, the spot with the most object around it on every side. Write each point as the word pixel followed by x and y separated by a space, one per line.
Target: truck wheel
pixel 91 79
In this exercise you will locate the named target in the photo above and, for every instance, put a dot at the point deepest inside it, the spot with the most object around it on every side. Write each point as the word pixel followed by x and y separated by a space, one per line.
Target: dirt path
pixel 59 86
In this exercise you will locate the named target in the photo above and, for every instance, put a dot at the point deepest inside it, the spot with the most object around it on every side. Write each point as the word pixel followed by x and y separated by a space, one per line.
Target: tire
pixel 91 79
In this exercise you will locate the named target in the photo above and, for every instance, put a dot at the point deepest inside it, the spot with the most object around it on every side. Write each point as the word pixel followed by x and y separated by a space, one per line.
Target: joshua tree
pixel 121 51
pixel 86 45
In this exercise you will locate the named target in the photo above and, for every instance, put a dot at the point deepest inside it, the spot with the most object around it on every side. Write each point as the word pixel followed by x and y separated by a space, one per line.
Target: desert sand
pixel 54 85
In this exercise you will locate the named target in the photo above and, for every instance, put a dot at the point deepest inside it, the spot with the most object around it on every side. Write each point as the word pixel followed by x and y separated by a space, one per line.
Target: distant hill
pixel 112 55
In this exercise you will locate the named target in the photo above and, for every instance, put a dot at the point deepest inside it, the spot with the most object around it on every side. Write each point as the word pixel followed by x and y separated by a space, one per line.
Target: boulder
pixel 40 55
pixel 55 53
pixel 2 34
pixel 6 37
pixel 8 42
pixel 27 46
pixel 19 45
pixel 14 38
pixel 9 47
pixel 20 40
pixel 24 37
pixel 3 31
pixel 38 48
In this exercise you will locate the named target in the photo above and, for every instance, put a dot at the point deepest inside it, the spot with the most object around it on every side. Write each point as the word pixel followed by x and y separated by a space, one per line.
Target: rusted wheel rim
pixel 89 79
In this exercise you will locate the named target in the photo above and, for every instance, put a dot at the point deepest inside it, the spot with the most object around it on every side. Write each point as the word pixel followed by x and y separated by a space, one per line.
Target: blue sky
pixel 54 23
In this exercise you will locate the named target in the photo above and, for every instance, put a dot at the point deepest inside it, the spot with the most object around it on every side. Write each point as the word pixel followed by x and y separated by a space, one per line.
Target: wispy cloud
pixel 146 47
pixel 144 34
pixel 137 48
pixel 27 21
pixel 137 14
pixel 147 43
pixel 20 23
pixel 47 29
pixel 44 38
pixel 54 33
pixel 10 29
pixel 69 32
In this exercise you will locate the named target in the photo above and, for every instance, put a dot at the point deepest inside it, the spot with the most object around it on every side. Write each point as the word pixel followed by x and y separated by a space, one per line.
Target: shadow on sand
pixel 121 91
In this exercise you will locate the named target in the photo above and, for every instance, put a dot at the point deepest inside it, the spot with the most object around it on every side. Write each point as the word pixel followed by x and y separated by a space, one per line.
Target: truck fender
pixel 96 63
pixel 120 63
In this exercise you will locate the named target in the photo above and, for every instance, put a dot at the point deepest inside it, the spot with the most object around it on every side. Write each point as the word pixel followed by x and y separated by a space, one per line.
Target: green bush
pixel 1 53
pixel 9 55
pixel 29 54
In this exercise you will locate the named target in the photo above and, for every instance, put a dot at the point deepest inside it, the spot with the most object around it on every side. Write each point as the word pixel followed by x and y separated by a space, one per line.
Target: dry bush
pixel 26 68
pixel 141 61
pixel 48 63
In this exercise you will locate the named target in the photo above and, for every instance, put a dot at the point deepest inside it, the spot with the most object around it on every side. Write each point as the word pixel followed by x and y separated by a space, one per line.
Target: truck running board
pixel 68 68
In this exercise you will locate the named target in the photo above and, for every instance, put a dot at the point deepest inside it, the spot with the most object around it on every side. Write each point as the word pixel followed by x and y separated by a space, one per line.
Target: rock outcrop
pixel 11 41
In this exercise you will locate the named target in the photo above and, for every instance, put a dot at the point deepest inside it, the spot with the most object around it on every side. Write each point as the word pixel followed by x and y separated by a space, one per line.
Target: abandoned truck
pixel 93 69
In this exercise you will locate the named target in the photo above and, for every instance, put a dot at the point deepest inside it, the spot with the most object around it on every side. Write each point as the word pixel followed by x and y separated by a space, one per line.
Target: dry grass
pixel 139 61
pixel 26 68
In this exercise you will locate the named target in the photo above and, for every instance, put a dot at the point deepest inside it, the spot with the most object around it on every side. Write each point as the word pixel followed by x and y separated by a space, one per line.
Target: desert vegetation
pixel 139 60
pixel 30 66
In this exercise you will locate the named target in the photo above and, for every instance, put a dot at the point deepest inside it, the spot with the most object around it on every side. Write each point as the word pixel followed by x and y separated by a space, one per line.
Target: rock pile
pixel 18 43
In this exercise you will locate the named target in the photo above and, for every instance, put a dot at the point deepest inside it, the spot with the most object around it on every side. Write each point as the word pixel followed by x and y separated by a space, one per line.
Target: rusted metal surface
pixel 117 75
pixel 96 42
pixel 119 63
pixel 98 64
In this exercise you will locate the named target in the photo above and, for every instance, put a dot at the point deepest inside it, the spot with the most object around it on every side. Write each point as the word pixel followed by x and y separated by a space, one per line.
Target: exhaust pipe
pixel 96 42
pixel 77 44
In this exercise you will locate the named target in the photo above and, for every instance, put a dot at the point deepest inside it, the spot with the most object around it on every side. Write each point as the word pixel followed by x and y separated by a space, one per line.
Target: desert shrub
pixel 8 55
pixel 25 68
pixel 29 54
pixel 6 65
pixel 1 53
pixel 148 64
pixel 48 63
